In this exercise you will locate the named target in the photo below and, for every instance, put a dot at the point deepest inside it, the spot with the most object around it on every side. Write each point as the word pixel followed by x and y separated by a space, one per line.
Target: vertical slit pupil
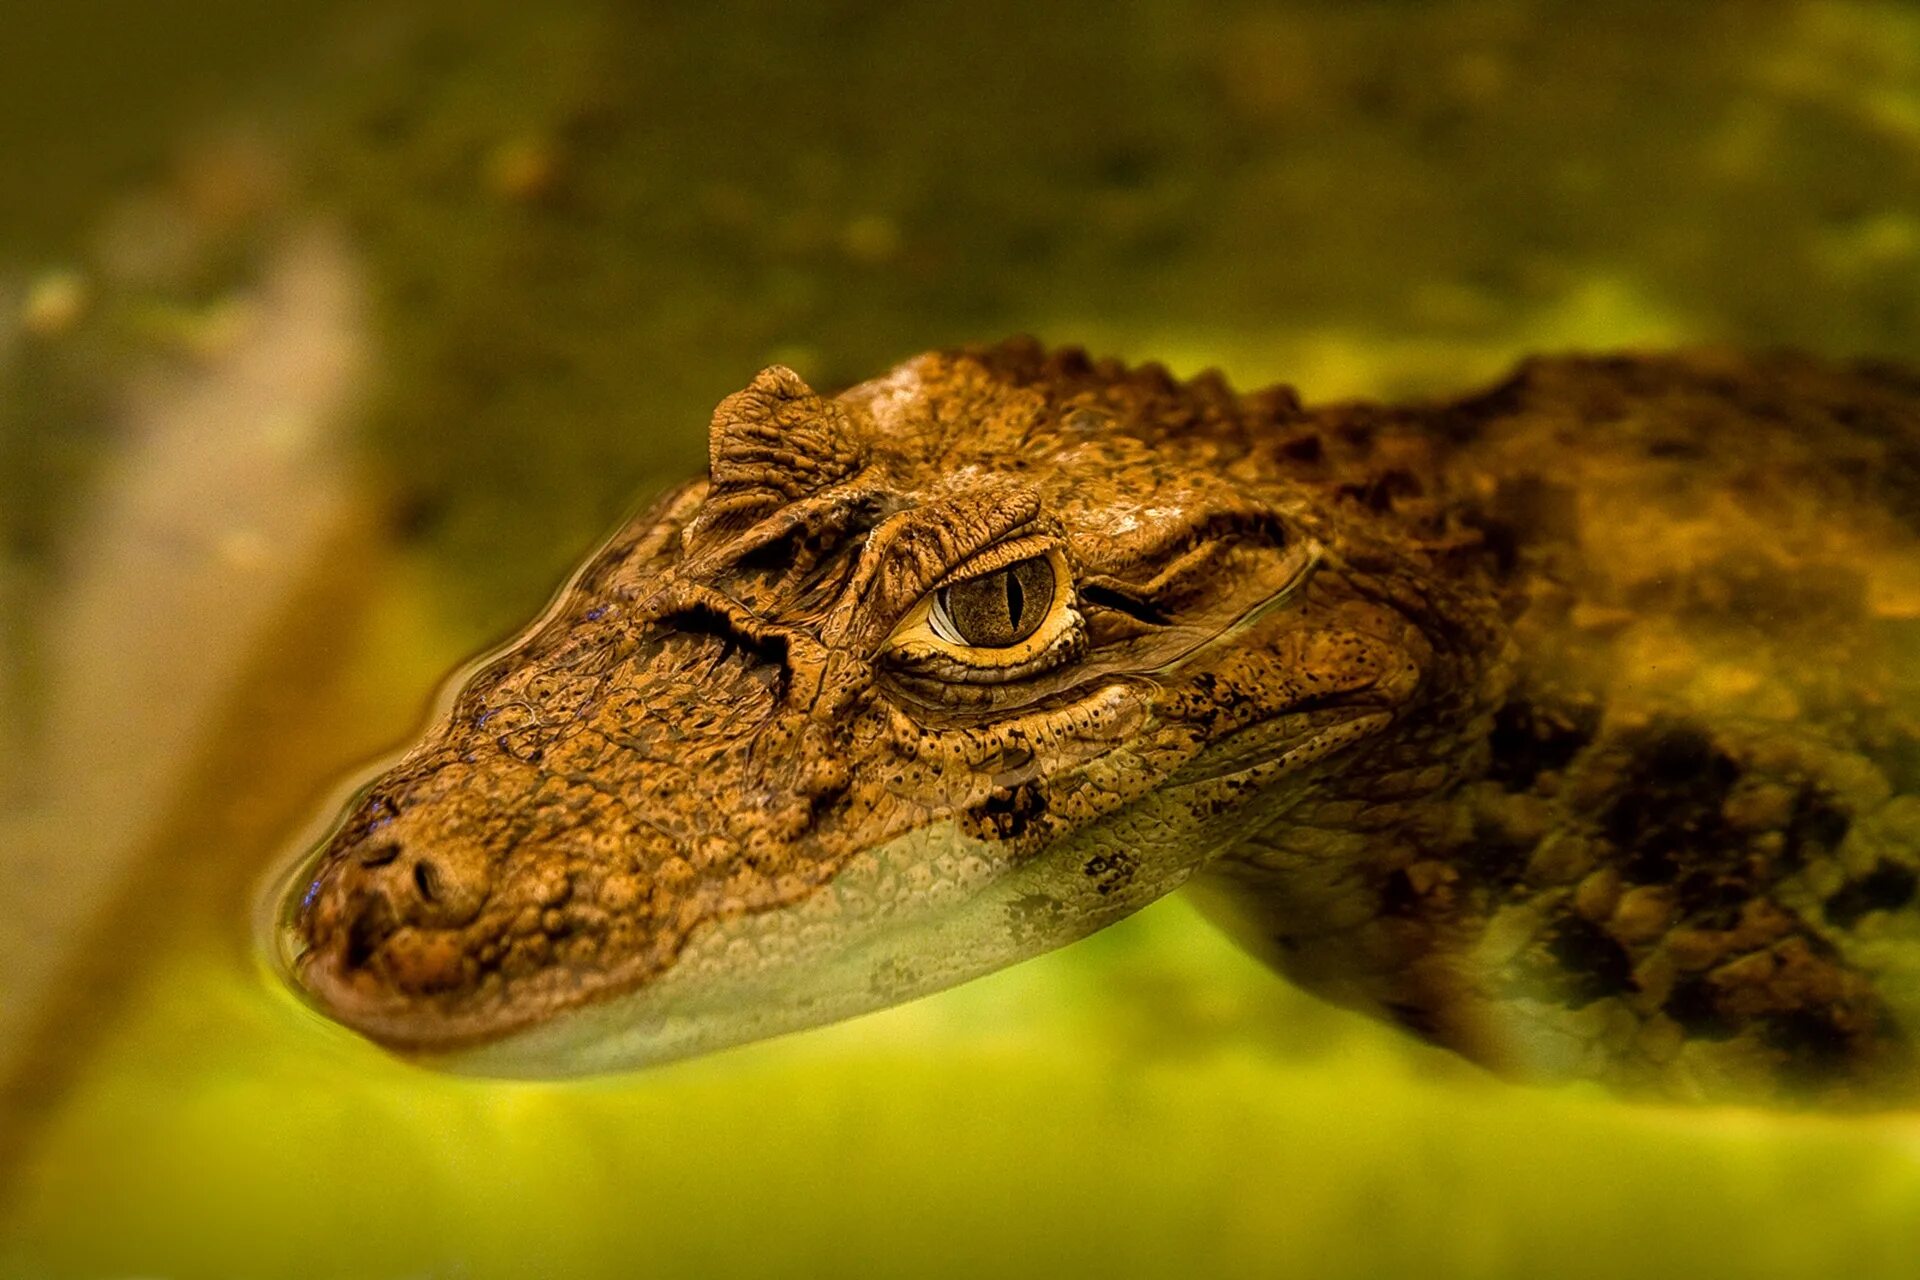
pixel 1002 608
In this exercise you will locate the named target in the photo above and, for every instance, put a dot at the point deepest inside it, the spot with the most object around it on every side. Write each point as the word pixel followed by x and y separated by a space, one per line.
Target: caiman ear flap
pixel 1192 582
pixel 771 443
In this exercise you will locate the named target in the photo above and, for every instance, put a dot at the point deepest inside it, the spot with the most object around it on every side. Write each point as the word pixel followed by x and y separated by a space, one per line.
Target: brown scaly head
pixel 948 670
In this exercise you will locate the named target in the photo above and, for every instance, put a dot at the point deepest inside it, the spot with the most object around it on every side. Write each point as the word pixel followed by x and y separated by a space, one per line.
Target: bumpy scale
pixel 1574 726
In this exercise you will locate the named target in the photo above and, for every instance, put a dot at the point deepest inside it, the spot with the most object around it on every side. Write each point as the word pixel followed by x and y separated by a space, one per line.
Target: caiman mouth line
pixel 1308 736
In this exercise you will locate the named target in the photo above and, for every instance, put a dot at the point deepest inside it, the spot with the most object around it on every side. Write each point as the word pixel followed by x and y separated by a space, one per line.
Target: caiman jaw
pixel 928 678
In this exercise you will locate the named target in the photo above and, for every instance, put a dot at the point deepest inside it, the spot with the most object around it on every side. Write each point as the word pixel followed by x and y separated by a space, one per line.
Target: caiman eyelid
pixel 1106 597
pixel 1315 555
pixel 1004 555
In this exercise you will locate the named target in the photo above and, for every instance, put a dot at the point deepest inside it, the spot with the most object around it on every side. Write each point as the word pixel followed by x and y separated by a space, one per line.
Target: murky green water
pixel 330 335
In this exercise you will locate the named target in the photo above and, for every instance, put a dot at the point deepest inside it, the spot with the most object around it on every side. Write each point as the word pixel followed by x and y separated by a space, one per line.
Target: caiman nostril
pixel 426 879
pixel 378 855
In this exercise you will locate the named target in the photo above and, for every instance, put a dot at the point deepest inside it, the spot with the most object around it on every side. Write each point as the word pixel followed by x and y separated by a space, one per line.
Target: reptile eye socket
pixel 1013 618
pixel 998 609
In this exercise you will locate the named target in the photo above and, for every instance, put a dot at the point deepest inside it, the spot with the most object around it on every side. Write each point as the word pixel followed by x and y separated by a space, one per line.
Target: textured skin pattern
pixel 1574 726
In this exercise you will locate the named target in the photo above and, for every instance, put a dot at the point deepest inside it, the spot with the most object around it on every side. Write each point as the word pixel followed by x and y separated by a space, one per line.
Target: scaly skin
pixel 1574 726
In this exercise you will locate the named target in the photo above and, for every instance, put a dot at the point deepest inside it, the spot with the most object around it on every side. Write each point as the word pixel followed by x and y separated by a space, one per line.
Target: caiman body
pixel 1574 725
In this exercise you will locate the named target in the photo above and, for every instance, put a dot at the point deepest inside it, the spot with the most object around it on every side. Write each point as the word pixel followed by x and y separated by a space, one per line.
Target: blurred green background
pixel 332 334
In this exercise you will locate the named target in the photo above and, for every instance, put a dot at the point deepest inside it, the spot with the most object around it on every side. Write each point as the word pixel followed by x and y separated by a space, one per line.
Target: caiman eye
pixel 997 609
pixel 1010 619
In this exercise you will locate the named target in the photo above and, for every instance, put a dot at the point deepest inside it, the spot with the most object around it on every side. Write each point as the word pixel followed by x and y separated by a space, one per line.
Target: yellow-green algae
pixel 579 224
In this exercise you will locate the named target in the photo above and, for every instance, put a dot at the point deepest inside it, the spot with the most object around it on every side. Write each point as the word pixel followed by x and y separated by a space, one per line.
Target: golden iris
pixel 996 610
pixel 1014 620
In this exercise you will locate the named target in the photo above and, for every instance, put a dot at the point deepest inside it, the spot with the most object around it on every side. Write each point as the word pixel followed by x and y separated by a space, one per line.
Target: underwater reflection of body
pixel 1489 718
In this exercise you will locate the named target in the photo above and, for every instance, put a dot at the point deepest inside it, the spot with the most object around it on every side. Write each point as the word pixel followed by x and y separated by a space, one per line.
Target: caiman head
pixel 926 678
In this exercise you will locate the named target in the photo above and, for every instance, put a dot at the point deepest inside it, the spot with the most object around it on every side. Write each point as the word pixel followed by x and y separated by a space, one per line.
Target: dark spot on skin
pixel 1888 887
pixel 1501 541
pixel 1398 897
pixel 1817 825
pixel 1009 812
pixel 426 879
pixel 1668 818
pixel 825 797
pixel 1307 449
pixel 1695 1005
pixel 1495 856
pixel 1529 739
pixel 1593 965
pixel 1814 1046
pixel 1713 898
pixel 1667 811
pixel 1676 449
pixel 1110 871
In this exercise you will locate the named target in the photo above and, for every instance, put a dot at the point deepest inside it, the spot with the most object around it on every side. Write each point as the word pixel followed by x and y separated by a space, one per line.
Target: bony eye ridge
pixel 996 610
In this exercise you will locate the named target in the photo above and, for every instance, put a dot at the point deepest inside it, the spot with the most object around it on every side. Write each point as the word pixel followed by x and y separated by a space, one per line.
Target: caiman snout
pixel 415 886
pixel 579 813
pixel 387 913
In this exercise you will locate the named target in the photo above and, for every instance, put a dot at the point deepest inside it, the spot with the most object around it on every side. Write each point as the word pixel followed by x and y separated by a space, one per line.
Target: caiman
pixel 1573 725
